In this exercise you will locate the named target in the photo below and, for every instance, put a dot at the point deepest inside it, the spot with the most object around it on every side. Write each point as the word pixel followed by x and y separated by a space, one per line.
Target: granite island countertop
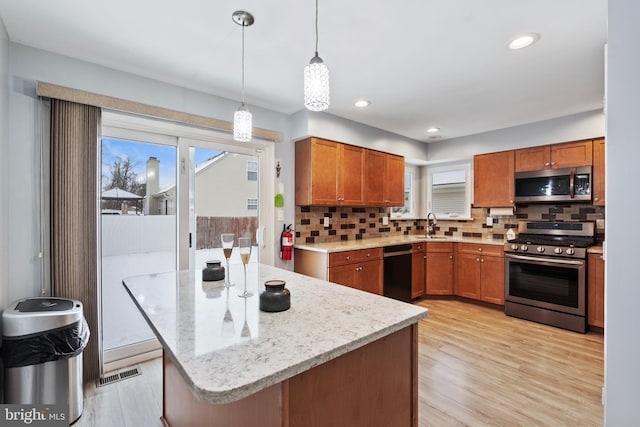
pixel 376 242
pixel 226 357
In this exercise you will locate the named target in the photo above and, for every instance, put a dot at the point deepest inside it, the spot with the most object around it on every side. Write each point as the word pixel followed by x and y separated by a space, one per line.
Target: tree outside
pixel 122 175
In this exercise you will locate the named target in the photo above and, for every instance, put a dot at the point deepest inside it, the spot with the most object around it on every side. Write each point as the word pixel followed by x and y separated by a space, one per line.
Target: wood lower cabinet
pixel 598 172
pixel 556 156
pixel 480 272
pixel 418 259
pixel 439 268
pixel 493 180
pixel 595 290
pixel 359 269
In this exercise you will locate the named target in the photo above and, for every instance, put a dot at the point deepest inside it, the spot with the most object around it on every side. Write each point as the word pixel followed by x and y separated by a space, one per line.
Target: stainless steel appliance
pixel 397 272
pixel 545 273
pixel 553 185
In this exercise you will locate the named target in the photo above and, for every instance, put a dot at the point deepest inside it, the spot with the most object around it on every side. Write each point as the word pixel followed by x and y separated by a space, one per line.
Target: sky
pixel 139 153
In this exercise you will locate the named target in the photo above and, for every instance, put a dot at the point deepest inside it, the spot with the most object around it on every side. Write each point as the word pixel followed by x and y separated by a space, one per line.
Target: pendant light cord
pixel 243 25
pixel 316 27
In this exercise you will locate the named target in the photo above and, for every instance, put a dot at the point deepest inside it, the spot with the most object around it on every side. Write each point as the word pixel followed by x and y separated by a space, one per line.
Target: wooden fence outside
pixel 209 228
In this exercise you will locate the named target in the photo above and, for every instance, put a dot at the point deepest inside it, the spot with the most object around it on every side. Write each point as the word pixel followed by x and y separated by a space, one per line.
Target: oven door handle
pixel 572 183
pixel 547 260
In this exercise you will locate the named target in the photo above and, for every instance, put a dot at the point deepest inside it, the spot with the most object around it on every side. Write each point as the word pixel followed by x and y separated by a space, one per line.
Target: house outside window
pixel 252 204
pixel 252 171
pixel 409 208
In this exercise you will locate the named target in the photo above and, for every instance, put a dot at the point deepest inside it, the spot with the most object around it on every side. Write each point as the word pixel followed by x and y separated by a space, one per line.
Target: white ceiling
pixel 421 63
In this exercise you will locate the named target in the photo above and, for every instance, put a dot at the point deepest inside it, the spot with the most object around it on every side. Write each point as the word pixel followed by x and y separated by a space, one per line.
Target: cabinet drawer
pixel 418 247
pixel 440 247
pixel 349 257
pixel 472 248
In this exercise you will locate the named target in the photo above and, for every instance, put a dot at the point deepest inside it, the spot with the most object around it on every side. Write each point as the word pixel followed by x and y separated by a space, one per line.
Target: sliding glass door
pixel 169 192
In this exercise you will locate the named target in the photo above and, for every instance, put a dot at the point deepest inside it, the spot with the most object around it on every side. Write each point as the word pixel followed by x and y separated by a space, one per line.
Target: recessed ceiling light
pixel 433 129
pixel 433 137
pixel 361 103
pixel 523 41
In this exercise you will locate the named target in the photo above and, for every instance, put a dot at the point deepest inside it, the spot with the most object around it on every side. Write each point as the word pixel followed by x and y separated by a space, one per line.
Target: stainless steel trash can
pixel 42 344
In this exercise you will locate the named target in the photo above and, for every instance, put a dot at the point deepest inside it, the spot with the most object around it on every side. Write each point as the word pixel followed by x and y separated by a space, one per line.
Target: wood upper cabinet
pixel 480 272
pixel 556 156
pixel 598 172
pixel 439 268
pixel 384 179
pixel 418 257
pixel 493 179
pixel 360 269
pixel 329 173
pixel 595 290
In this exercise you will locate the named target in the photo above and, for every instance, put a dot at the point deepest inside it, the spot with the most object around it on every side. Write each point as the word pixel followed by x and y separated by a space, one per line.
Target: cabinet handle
pixel 425 257
pixel 595 199
pixel 511 201
pixel 368 255
pixel 450 256
pixel 477 259
pixel 546 164
pixel 347 257
pixel 480 249
pixel 602 257
pixel 553 163
pixel 482 260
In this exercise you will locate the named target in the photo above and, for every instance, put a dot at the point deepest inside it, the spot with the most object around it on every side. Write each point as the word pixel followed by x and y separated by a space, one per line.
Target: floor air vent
pixel 119 376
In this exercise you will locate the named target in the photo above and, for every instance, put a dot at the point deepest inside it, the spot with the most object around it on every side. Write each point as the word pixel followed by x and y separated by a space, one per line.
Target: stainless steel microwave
pixel 553 185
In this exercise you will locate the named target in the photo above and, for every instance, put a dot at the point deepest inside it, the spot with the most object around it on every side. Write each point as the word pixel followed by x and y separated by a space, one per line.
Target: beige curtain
pixel 74 222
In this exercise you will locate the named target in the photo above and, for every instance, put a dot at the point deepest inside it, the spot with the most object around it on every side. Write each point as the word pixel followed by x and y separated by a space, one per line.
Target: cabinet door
pixel 344 275
pixel 394 182
pixel 439 273
pixel 317 162
pixel 598 172
pixel 369 276
pixel 351 180
pixel 468 276
pixel 492 279
pixel 493 179
pixel 375 178
pixel 572 154
pixel 533 159
pixel 595 291
pixel 417 270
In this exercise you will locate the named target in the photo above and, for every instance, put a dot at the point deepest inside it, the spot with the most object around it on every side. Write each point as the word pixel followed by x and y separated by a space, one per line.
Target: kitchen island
pixel 338 356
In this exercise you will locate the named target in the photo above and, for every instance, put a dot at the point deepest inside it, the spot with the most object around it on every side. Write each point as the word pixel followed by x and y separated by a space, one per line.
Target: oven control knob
pixel 540 249
pixel 570 251
pixel 524 248
pixel 558 250
pixel 514 247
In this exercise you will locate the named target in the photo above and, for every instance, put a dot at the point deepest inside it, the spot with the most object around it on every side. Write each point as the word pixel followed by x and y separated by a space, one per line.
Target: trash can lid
pixel 44 304
pixel 39 314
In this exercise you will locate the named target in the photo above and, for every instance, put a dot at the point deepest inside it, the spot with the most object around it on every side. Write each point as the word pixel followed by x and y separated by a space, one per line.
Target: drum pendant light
pixel 242 120
pixel 316 80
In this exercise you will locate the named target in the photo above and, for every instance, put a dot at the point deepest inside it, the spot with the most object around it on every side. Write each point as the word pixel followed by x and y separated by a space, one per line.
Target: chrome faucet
pixel 431 222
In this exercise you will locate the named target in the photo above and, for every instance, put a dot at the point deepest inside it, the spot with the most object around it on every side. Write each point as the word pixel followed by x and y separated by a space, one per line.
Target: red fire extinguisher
pixel 286 243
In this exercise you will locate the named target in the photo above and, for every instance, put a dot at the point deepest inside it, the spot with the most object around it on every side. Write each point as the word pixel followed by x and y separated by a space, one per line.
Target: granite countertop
pixel 350 245
pixel 224 361
pixel 596 249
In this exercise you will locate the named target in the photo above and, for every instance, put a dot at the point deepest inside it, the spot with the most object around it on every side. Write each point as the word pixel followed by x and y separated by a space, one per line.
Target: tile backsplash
pixel 353 223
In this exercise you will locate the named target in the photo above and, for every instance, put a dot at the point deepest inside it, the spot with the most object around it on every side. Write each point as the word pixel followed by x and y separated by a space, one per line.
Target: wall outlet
pixel 489 221
pixel 325 221
pixel 385 220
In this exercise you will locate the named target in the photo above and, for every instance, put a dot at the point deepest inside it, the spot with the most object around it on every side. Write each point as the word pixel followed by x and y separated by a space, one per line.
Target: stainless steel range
pixel 545 273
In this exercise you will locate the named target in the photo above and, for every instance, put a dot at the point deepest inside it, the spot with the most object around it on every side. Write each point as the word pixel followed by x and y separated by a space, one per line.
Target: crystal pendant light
pixel 316 80
pixel 242 120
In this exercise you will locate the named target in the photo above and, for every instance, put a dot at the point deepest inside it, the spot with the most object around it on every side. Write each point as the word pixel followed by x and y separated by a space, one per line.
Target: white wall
pixel 4 166
pixel 622 299
pixel 569 128
pixel 335 128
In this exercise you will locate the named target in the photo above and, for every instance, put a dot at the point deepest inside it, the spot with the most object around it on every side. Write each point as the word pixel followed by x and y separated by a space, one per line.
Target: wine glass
pixel 244 244
pixel 227 248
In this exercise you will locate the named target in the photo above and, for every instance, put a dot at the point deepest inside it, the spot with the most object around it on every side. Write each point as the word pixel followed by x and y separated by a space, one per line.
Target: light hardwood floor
pixel 477 367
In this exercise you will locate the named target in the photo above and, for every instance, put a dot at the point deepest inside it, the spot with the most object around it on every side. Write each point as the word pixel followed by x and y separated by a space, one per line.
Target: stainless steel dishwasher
pixel 397 272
